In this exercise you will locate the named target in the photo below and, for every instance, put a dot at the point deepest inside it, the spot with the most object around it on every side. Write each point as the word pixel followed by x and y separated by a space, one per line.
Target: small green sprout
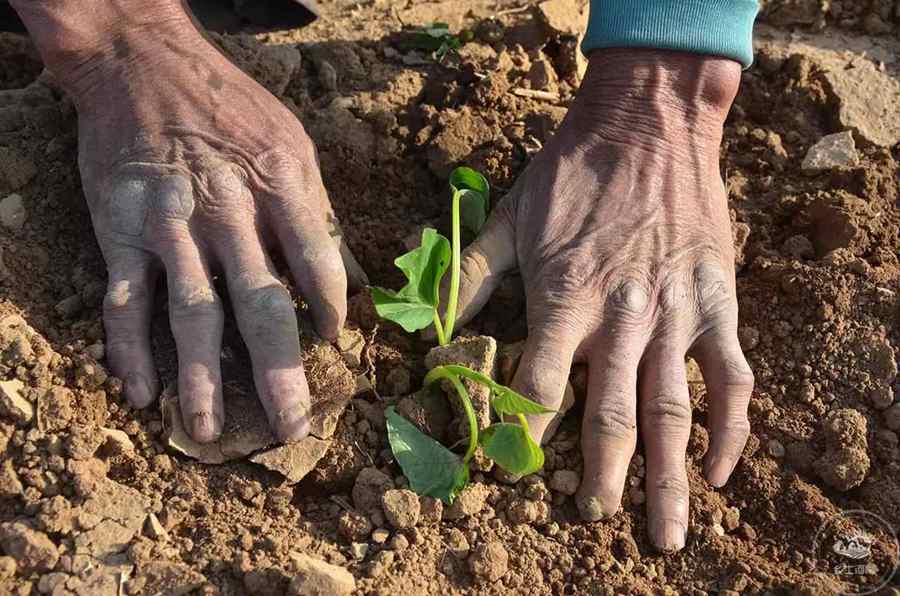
pixel 437 39
pixel 431 468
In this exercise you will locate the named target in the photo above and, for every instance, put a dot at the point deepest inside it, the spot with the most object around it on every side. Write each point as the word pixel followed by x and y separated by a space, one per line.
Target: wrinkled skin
pixel 621 232
pixel 191 169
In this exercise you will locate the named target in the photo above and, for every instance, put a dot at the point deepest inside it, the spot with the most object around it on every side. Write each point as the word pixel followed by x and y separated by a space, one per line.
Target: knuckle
pixel 739 377
pixel 628 300
pixel 611 422
pixel 271 301
pixel 712 290
pixel 674 484
pixel 667 409
pixel 195 301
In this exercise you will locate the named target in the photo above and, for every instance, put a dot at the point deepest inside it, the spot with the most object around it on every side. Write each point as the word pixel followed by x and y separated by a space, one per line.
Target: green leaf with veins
pixel 474 197
pixel 507 402
pixel 413 306
pixel 431 468
pixel 510 446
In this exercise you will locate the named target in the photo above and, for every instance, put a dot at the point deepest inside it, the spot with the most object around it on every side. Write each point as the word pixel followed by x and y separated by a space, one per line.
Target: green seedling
pixel 437 39
pixel 431 468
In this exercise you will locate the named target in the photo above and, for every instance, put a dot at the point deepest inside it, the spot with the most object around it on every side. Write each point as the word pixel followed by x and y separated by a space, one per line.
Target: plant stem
pixel 441 372
pixel 439 329
pixel 453 296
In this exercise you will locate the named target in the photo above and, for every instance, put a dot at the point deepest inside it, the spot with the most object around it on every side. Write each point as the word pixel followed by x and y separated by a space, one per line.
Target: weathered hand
pixel 620 229
pixel 190 167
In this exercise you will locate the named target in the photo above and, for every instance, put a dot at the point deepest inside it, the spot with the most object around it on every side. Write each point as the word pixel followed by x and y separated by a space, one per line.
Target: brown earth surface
pixel 96 498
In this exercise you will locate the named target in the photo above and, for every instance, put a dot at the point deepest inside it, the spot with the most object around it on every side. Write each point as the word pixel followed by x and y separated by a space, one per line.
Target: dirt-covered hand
pixel 620 229
pixel 191 168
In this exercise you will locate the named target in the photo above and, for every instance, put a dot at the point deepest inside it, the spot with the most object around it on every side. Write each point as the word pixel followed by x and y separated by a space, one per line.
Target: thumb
pixel 482 265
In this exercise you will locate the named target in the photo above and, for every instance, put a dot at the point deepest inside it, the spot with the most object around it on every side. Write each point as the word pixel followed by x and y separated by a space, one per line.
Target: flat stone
pixel 122 511
pixel 318 578
pixel 13 403
pixel 832 151
pixel 868 102
pixel 563 17
pixel 294 460
pixel 12 212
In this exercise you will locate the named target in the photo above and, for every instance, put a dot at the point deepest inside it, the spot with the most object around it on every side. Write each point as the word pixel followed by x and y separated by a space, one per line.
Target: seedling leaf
pixel 507 403
pixel 431 468
pixel 474 197
pixel 510 446
pixel 413 306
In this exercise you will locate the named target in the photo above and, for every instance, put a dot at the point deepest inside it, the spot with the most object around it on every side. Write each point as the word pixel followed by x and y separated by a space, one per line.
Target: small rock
pixel 542 75
pixel 49 582
pixel 868 101
pixel 350 344
pixel 13 403
pixel 401 508
pixel 370 485
pixel 354 526
pixel 117 441
pixel 399 543
pixel 318 578
pixel 153 529
pixel 775 448
pixel 328 79
pixel 562 18
pixel 33 551
pixel 489 562
pixel 10 485
pixel 96 351
pixel 636 496
pixel 431 510
pixel 807 392
pixel 380 535
pixel 12 212
pixel 845 463
pixel 457 543
pixel 718 529
pixel 731 519
pixel 469 502
pixel 832 151
pixel 7 568
pixel 523 511
pixel 359 550
pixel 565 482
pixel 294 460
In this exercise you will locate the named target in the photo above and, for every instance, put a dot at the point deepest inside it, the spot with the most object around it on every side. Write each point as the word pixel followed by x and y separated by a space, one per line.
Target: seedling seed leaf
pixel 474 197
pixel 431 468
pixel 512 448
pixel 409 314
pixel 413 306
pixel 507 402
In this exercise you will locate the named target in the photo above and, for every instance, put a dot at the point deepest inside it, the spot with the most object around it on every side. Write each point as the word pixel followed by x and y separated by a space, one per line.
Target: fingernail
pixel 137 390
pixel 205 427
pixel 670 535
pixel 592 509
pixel 718 470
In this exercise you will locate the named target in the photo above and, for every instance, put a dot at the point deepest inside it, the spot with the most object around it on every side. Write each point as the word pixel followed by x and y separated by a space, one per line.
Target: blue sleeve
pixel 716 27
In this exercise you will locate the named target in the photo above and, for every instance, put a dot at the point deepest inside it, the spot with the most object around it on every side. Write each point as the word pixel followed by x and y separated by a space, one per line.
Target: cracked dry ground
pixel 96 498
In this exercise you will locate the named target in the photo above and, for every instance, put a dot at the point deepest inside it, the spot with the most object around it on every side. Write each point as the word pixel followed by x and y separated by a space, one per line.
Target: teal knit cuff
pixel 715 27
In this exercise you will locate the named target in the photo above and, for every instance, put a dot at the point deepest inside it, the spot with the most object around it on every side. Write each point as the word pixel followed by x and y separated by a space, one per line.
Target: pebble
pixel 523 511
pixel 892 417
pixel 469 502
pixel 154 529
pixel 12 212
pixel 359 550
pixel 318 577
pixel 831 151
pixel 399 543
pixel 401 508
pixel 431 510
pixel 732 518
pixel 354 526
pixel 489 562
pixel 13 402
pixel 565 482
pixel 380 535
pixel 117 441
pixel 637 496
pixel 457 543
